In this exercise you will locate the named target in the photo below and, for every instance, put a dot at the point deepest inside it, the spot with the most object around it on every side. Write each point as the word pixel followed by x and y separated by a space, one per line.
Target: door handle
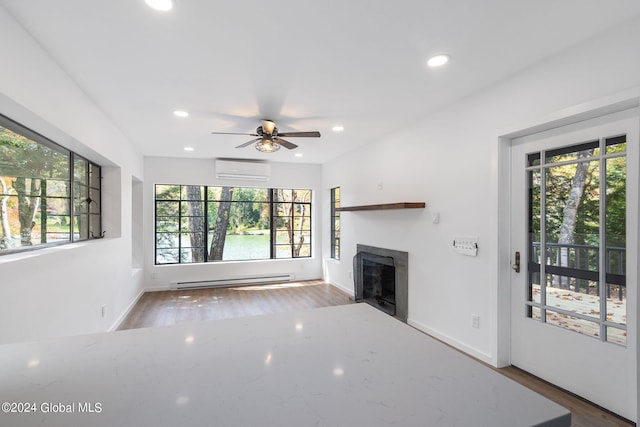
pixel 516 265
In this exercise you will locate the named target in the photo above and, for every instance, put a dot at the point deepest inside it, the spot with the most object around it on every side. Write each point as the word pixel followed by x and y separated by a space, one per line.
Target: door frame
pixel 501 312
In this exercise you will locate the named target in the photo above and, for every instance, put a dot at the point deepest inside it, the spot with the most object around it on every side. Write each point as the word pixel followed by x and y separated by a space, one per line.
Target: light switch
pixel 435 217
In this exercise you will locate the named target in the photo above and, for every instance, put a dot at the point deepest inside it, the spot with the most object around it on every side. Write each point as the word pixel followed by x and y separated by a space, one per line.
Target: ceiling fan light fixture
pixel 438 60
pixel 162 5
pixel 267 145
pixel 268 127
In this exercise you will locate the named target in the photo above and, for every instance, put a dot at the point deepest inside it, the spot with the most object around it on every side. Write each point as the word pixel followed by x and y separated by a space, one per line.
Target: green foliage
pixel 558 184
pixel 22 157
pixel 616 199
pixel 248 212
pixel 27 167
pixel 167 192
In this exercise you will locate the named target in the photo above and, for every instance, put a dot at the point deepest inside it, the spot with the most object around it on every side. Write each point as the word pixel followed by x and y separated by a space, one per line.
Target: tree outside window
pixel 48 195
pixel 201 223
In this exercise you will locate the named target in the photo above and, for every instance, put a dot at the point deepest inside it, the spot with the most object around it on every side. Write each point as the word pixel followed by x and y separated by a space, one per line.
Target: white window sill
pixel 35 253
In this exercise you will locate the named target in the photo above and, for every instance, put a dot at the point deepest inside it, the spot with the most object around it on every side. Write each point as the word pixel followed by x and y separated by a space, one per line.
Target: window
pixel 199 223
pixel 335 223
pixel 247 235
pixel 577 238
pixel 291 223
pixel 180 224
pixel 48 194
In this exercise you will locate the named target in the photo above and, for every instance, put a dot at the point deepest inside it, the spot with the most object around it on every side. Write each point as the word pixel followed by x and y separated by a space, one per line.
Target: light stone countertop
pixel 349 365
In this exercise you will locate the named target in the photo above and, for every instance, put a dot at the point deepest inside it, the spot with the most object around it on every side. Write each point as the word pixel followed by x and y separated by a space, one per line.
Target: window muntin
pixel 291 223
pixel 87 199
pixel 48 194
pixel 241 223
pixel 577 233
pixel 335 223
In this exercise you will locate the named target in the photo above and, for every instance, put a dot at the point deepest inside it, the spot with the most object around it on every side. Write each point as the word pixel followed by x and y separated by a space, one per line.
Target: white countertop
pixel 338 366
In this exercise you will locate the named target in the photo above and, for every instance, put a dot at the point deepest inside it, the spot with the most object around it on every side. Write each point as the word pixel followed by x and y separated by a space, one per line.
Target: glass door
pixel 574 224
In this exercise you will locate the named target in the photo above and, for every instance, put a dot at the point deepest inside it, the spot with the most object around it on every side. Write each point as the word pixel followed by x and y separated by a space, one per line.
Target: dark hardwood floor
pixel 583 413
pixel 171 307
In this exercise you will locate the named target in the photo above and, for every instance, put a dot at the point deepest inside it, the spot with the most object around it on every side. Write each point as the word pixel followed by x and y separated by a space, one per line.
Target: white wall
pixel 161 170
pixel 60 291
pixel 450 160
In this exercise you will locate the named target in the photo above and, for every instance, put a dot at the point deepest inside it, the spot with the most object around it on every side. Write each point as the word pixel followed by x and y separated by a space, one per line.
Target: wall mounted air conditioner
pixel 244 169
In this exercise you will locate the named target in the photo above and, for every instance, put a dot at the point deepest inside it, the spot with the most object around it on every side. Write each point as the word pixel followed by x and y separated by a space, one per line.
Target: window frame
pixel 335 223
pixel 271 203
pixel 539 268
pixel 93 182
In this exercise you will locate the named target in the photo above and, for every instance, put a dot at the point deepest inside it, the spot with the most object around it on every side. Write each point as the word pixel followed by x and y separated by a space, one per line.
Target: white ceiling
pixel 308 65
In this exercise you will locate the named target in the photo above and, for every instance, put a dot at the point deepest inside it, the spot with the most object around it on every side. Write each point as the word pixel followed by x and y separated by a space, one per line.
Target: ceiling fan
pixel 269 140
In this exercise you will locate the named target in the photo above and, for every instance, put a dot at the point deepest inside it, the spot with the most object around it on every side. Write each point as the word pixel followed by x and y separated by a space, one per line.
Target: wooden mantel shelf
pixel 401 205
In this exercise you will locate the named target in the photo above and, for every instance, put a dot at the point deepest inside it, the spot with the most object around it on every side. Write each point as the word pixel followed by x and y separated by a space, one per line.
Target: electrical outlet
pixel 475 321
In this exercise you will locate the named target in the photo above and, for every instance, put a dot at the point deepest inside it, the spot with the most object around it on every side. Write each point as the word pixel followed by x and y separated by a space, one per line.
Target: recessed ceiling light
pixel 163 5
pixel 181 113
pixel 188 148
pixel 338 128
pixel 438 60
pixel 298 154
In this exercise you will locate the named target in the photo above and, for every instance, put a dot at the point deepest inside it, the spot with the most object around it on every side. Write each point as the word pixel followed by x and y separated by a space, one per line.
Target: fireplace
pixel 381 279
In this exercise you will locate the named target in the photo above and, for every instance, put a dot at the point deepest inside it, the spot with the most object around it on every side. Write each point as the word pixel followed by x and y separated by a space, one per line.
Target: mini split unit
pixel 247 170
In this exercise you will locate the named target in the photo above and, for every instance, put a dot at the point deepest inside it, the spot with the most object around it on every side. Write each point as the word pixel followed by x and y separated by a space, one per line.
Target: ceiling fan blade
pixel 248 143
pixel 286 144
pixel 314 134
pixel 234 133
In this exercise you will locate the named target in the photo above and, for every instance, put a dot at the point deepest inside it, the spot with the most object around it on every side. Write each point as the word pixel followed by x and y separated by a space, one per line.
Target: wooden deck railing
pixel 577 267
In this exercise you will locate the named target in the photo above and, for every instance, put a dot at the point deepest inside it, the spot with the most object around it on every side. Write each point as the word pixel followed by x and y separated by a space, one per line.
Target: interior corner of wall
pixel 112 195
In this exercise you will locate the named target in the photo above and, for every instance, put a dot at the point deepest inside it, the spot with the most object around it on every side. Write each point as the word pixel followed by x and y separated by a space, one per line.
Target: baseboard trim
pixel 470 351
pixel 124 315
pixel 342 288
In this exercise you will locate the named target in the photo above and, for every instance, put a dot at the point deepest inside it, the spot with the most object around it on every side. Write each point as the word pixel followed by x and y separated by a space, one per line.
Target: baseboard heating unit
pixel 231 282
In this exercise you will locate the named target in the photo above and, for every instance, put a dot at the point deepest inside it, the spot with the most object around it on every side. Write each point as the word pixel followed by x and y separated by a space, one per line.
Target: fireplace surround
pixel 381 279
